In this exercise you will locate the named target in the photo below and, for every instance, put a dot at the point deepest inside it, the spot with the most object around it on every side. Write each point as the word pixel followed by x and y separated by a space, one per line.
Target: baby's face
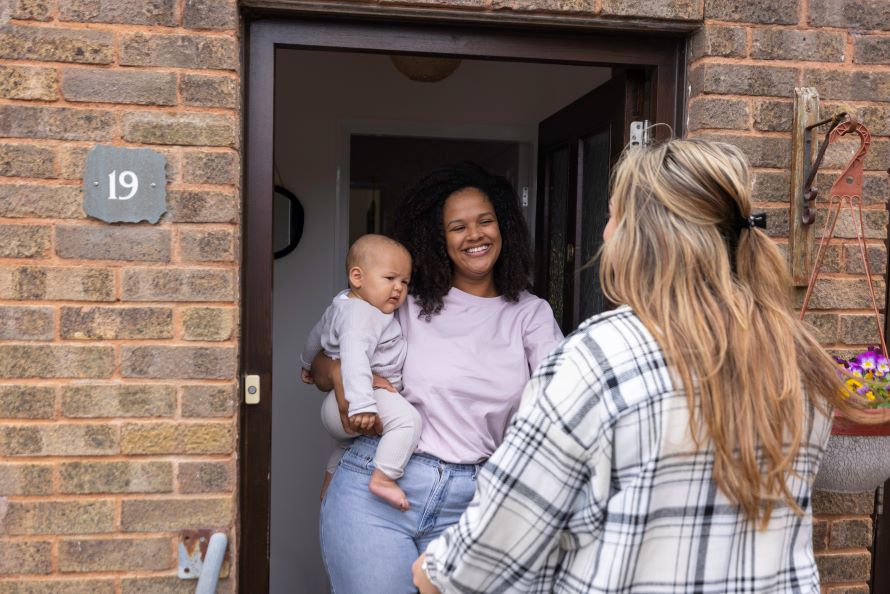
pixel 385 279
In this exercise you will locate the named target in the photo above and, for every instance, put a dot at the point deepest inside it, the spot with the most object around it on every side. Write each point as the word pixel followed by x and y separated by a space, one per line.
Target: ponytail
pixel 717 297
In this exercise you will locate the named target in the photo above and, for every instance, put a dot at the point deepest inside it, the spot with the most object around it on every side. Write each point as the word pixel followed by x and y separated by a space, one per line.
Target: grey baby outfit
pixel 366 341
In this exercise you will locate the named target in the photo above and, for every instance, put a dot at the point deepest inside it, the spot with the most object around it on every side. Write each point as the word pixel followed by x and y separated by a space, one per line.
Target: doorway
pixel 349 167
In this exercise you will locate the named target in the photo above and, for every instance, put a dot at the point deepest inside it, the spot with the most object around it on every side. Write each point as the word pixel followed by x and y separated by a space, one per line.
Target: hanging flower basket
pixel 856 459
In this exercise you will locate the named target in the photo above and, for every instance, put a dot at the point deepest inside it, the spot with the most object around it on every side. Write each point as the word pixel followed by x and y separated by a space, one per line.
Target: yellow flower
pixel 870 395
pixel 853 384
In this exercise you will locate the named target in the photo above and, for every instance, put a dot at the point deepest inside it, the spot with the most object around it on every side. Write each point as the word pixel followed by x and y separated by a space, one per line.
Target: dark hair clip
pixel 755 220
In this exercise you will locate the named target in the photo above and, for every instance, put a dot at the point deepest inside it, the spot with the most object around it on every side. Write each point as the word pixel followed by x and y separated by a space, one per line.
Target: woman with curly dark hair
pixel 474 335
pixel 419 228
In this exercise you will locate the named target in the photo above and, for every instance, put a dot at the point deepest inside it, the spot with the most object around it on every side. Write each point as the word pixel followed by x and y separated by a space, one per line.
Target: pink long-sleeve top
pixel 467 367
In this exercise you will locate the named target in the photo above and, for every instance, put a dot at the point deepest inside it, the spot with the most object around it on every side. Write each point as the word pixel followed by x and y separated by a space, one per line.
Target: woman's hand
pixel 383 383
pixel 421 581
pixel 325 371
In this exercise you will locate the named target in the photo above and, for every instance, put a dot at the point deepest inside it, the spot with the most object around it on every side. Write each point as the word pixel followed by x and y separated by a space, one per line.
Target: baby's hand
pixel 306 376
pixel 363 422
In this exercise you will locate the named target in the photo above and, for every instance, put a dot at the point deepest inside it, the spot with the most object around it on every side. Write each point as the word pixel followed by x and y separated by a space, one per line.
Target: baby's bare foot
pixel 387 489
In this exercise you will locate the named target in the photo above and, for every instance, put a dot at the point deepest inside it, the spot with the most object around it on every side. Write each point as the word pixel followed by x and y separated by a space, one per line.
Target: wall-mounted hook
pixel 809 193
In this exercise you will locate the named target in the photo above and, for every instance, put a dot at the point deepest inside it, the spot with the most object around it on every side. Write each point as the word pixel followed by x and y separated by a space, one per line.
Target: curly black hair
pixel 418 226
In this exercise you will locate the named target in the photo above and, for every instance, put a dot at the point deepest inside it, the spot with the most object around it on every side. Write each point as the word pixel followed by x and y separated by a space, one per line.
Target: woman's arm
pixel 541 335
pixel 326 373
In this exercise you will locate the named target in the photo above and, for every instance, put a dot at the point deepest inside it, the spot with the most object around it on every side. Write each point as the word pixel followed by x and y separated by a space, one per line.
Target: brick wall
pixel 744 64
pixel 118 343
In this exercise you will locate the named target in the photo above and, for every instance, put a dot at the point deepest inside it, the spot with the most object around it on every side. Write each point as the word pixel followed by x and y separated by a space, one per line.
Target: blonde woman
pixel 669 445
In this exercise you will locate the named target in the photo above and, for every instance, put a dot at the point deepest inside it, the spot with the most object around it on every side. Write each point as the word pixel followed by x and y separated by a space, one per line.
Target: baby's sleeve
pixel 313 344
pixel 360 329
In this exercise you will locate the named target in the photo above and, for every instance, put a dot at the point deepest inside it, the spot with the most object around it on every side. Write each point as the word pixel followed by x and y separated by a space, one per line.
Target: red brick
pixel 102 85
pixel 111 323
pixel 792 44
pixel 753 11
pixel 58 517
pixel 205 477
pixel 25 479
pixel 843 567
pixel 194 129
pixel 183 51
pixel 59 123
pixel 850 14
pixel 210 14
pixel 26 82
pixel 119 554
pixel 58 440
pixel 855 504
pixel 57 283
pixel 33 10
pixel 681 10
pixel 116 477
pixel 743 79
pixel 715 40
pixel 851 533
pixel 136 12
pixel 706 112
pixel 158 515
pixel 73 586
pixel 178 285
pixel 34 556
pixel 19 42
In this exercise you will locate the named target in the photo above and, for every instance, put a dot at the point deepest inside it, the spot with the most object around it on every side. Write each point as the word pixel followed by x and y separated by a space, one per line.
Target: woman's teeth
pixel 478 250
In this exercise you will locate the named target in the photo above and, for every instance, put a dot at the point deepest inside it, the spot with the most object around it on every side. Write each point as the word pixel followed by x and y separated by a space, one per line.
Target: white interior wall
pixel 322 97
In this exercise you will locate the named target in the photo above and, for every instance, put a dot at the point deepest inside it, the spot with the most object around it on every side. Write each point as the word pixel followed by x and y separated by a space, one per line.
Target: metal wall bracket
pixel 802 236
pixel 639 134
pixel 199 552
pixel 192 548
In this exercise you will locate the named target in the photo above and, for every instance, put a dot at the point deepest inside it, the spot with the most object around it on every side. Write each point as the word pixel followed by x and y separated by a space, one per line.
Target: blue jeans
pixel 368 546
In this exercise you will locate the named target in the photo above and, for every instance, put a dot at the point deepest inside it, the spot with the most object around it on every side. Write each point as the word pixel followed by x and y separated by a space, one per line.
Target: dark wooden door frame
pixel 663 55
pixel 565 129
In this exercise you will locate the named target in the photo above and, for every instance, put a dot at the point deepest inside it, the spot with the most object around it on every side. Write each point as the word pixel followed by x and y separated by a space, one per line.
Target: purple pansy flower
pixel 868 360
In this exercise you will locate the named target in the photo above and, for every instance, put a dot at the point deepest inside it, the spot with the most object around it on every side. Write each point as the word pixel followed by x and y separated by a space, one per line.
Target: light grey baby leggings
pixel 401 431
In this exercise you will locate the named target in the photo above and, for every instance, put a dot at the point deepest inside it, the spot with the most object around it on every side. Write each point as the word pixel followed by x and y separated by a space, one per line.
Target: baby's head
pixel 379 270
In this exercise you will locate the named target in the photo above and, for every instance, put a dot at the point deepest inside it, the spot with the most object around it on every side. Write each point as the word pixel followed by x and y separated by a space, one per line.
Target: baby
pixel 359 328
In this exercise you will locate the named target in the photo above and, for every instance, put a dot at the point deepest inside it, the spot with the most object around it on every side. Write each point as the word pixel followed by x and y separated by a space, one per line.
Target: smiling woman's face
pixel 472 237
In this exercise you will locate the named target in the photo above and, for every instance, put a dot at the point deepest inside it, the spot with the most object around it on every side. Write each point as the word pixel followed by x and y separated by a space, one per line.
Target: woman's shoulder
pixel 612 340
pixel 529 302
pixel 610 364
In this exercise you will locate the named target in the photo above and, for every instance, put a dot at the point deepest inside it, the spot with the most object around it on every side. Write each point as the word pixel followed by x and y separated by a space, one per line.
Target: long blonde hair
pixel 716 295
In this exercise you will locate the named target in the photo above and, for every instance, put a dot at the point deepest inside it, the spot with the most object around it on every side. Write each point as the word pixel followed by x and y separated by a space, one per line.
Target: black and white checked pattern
pixel 598 488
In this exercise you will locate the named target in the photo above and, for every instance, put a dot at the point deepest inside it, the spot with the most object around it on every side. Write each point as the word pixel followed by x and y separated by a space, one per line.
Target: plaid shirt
pixel 598 487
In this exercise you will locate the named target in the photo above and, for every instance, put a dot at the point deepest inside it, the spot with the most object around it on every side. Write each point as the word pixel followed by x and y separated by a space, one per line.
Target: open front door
pixel 577 147
pixel 590 133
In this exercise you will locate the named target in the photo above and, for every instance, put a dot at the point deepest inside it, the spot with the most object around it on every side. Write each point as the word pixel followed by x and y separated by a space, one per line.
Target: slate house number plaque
pixel 124 185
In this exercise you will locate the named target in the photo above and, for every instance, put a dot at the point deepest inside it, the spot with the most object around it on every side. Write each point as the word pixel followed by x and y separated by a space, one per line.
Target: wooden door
pixel 577 147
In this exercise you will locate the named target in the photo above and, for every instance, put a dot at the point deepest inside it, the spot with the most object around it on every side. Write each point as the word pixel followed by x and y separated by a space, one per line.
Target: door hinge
pixel 251 389
pixel 639 134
